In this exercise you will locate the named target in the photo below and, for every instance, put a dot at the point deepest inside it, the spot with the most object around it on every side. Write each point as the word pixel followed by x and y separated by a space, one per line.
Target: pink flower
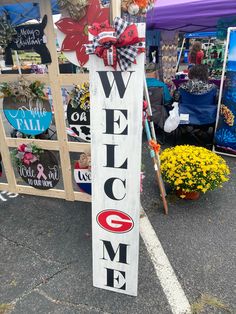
pixel 29 158
pixel 22 148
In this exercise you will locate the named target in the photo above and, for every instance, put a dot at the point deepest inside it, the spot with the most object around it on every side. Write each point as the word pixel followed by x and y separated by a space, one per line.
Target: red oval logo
pixel 115 221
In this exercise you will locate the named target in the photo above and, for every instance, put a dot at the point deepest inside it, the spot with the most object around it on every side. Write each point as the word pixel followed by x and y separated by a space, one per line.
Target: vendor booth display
pixel 116 50
pixel 26 105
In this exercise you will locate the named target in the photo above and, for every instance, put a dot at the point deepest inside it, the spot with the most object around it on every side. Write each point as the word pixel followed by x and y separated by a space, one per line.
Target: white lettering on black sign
pixel 43 174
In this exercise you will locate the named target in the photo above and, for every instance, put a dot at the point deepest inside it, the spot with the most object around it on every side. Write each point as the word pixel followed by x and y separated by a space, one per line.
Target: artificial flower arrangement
pixel 136 7
pixel 23 91
pixel 193 169
pixel 80 96
pixel 26 154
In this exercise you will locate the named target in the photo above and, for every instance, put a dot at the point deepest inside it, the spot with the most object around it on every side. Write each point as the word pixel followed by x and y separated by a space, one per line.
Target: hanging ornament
pixel 76 8
pixel 133 9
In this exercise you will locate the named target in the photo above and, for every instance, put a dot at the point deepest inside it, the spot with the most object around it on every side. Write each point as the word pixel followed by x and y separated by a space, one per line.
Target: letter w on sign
pixel 118 79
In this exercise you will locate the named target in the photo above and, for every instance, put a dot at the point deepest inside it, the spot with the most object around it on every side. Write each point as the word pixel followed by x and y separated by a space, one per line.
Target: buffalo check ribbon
pixel 118 43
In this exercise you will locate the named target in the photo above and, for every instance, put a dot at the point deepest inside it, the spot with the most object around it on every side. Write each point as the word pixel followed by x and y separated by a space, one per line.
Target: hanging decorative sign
pixel 29 37
pixel 82 173
pixel 225 136
pixel 26 108
pixel 72 34
pixel 116 137
pixel 38 168
pixel 78 112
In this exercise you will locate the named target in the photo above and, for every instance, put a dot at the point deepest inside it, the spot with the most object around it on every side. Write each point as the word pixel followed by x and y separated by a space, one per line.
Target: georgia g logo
pixel 115 221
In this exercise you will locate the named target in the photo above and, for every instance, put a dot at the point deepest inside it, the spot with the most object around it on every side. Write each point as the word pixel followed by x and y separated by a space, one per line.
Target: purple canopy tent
pixel 189 15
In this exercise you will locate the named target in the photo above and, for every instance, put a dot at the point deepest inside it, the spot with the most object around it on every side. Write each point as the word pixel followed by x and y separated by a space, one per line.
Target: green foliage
pixel 18 155
pixel 23 90
pixel 37 88
pixel 6 89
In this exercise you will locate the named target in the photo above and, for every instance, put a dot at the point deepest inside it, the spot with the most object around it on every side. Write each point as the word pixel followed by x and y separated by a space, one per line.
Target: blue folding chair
pixel 198 116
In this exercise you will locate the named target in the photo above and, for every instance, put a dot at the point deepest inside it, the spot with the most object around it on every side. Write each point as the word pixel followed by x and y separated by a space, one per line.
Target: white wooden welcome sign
pixel 116 130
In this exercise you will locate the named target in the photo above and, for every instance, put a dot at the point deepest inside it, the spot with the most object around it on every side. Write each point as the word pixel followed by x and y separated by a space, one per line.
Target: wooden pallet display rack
pixel 55 80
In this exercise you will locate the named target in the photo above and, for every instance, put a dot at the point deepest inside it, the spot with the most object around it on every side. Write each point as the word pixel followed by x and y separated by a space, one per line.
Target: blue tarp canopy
pixel 22 12
pixel 200 35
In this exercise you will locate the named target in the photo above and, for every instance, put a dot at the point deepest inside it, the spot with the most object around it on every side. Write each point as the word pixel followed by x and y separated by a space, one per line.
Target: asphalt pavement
pixel 46 253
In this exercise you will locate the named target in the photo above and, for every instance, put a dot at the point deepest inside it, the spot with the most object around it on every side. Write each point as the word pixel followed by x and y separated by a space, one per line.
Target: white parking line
pixel 4 195
pixel 174 293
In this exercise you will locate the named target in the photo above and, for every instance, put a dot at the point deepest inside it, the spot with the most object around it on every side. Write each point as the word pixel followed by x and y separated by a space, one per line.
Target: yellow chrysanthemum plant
pixel 193 169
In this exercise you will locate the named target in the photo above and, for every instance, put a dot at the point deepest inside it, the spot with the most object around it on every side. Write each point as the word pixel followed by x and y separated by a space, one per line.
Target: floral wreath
pixel 136 7
pixel 23 90
pixel 80 96
pixel 26 154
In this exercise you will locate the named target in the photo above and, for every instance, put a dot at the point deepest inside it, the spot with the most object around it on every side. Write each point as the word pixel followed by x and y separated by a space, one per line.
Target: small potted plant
pixel 191 170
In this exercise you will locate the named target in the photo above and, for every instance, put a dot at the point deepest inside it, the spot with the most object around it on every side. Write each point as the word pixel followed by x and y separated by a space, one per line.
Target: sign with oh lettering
pixel 79 121
pixel 31 118
pixel 43 174
pixel 116 135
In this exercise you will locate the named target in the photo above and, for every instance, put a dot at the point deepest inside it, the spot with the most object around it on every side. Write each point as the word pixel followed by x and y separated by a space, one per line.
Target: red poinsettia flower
pixel 77 31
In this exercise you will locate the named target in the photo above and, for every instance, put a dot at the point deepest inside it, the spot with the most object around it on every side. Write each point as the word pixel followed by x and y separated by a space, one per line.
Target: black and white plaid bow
pixel 125 55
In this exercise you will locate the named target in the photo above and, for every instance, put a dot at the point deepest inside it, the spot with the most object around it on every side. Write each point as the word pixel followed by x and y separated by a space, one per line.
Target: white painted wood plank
pixel 118 271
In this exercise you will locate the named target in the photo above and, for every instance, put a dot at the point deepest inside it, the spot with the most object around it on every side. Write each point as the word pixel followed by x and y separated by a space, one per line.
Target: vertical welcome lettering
pixel 116 131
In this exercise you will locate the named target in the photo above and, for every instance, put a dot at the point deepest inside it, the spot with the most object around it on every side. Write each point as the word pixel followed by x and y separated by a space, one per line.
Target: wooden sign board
pixel 29 37
pixel 31 118
pixel 79 121
pixel 116 130
pixel 82 178
pixel 43 174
